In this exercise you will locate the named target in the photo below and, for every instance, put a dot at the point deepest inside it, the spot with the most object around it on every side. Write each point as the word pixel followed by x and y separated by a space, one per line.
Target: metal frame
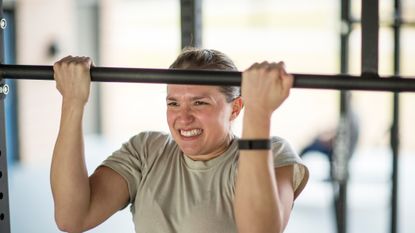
pixel 214 77
pixel 394 137
pixel 11 103
pixel 191 23
pixel 341 155
pixel 4 187
pixel 370 37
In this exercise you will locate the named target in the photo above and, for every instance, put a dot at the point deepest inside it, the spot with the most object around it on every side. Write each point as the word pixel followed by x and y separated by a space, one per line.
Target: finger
pixel 274 66
pixel 88 61
pixel 273 71
pixel 57 65
pixel 264 65
pixel 283 71
pixel 76 59
pixel 253 66
pixel 70 59
pixel 66 58
pixel 287 79
pixel 282 66
pixel 61 61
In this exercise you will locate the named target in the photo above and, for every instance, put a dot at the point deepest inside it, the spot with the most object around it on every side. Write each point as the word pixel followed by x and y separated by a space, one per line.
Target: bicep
pixel 284 176
pixel 109 193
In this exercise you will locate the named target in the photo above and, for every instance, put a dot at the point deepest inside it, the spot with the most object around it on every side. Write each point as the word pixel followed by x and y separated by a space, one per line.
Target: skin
pixel 80 202
pixel 201 108
pixel 263 195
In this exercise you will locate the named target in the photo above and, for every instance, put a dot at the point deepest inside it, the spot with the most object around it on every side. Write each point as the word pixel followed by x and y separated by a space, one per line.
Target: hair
pixel 208 59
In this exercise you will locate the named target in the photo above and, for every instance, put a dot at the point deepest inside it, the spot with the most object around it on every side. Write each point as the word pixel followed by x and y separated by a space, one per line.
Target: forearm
pixel 69 177
pixel 257 206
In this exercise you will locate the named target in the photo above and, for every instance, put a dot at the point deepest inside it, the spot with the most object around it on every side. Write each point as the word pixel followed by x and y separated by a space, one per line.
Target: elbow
pixel 68 225
pixel 281 224
pixel 277 228
pixel 273 227
pixel 65 227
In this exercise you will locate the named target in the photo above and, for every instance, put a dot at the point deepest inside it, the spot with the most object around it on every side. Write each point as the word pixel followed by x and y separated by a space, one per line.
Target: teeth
pixel 190 133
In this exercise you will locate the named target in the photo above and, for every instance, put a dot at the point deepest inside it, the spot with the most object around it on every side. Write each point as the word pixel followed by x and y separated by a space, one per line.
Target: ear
pixel 237 105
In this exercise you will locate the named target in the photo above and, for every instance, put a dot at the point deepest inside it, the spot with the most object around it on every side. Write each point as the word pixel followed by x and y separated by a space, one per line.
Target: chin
pixel 190 152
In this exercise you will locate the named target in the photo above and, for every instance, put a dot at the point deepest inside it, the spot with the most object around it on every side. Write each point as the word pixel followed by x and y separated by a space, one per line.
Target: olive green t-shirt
pixel 169 192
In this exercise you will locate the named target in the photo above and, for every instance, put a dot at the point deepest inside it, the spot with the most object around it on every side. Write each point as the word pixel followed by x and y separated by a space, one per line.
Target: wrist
pixel 254 144
pixel 70 106
pixel 256 126
pixel 73 102
pixel 257 112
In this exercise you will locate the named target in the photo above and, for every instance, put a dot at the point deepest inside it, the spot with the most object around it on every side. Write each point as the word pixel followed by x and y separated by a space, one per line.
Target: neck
pixel 221 149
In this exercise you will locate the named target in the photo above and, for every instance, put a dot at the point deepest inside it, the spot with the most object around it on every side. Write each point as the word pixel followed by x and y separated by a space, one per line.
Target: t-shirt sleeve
pixel 283 155
pixel 130 161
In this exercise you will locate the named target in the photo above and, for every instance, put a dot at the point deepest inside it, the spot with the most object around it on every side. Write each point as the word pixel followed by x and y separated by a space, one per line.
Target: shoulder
pixel 151 139
pixel 153 144
pixel 285 155
pixel 280 145
pixel 147 144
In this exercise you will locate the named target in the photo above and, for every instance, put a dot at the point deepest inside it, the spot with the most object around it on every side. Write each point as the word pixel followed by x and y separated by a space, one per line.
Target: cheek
pixel 226 114
pixel 222 117
pixel 170 118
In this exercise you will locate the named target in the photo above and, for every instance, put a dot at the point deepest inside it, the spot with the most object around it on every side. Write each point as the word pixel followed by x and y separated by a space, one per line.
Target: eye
pixel 198 102
pixel 172 104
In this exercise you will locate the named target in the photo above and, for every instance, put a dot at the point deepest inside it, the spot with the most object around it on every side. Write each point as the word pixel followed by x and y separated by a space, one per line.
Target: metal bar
pixel 370 36
pixel 191 22
pixel 387 23
pixel 346 24
pixel 213 77
pixel 394 137
pixel 11 103
pixel 4 187
pixel 394 143
pixel 340 159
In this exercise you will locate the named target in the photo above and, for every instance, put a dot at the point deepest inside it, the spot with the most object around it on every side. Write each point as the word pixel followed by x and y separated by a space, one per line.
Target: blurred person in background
pixel 324 142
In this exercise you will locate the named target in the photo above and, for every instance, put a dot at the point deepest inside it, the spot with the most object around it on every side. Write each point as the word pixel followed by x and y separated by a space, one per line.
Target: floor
pixel 31 204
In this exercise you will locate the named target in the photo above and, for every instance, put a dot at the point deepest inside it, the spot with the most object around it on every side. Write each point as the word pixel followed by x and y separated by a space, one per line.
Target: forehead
pixel 174 90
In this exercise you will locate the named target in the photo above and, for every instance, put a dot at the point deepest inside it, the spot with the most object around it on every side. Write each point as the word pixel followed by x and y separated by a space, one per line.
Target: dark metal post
pixel 4 188
pixel 191 22
pixel 340 163
pixel 394 137
pixel 370 37
pixel 11 103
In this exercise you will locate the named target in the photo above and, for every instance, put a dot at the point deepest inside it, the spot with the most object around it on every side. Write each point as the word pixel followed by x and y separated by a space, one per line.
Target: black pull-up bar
pixel 213 77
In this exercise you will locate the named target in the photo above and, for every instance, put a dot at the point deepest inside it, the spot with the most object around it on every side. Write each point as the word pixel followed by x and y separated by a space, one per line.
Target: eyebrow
pixel 193 98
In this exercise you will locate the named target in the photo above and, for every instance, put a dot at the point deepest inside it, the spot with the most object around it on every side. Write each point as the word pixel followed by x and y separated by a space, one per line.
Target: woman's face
pixel 200 119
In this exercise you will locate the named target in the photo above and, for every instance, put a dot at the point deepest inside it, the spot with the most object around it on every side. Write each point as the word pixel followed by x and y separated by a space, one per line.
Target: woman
pixel 198 178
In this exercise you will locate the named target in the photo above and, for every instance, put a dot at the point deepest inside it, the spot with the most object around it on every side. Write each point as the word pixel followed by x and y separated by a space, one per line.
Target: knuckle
pixel 56 66
pixel 254 66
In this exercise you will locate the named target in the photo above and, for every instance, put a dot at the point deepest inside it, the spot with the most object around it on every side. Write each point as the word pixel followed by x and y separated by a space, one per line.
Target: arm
pixel 263 197
pixel 80 202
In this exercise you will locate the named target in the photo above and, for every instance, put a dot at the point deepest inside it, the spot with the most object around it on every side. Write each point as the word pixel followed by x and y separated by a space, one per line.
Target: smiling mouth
pixel 190 133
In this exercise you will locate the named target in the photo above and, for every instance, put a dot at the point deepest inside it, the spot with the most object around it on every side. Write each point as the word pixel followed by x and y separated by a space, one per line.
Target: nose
pixel 185 114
